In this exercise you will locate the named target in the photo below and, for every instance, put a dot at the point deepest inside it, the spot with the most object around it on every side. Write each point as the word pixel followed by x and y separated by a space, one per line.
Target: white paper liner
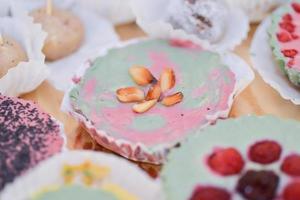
pixel 151 18
pixel 48 173
pixel 62 134
pixel 257 10
pixel 26 76
pixel 244 76
pixel 98 32
pixel 116 11
pixel 266 65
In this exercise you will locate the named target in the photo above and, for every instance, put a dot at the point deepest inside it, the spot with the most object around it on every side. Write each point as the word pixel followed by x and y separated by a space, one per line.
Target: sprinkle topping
pixel 27 136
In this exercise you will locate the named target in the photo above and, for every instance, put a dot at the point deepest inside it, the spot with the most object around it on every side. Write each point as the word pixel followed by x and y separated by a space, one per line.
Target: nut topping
pixel 130 94
pixel 154 92
pixel 144 106
pixel 141 75
pixel 167 79
pixel 172 99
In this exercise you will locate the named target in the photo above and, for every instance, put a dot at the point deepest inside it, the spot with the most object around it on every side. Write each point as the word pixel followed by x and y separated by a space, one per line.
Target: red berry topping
pixel 210 193
pixel 284 37
pixel 226 161
pixel 296 7
pixel 291 165
pixel 295 37
pixel 290 53
pixel 292 191
pixel 258 185
pixel 291 63
pixel 184 44
pixel 287 18
pixel 288 26
pixel 265 152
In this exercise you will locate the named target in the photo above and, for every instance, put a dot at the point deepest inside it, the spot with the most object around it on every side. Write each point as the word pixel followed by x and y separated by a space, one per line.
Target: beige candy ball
pixel 65 32
pixel 11 53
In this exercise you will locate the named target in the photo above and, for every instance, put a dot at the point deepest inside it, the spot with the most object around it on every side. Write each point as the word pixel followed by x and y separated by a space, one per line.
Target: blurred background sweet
pixel 22 67
pixel 274 51
pixel 212 24
pixel 65 30
pixel 257 10
pixel 117 11
pixel 204 18
pixel 75 34
pixel 207 19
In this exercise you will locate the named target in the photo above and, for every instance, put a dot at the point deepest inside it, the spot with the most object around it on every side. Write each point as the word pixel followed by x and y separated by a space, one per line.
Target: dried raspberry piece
pixel 226 161
pixel 287 17
pixel 288 26
pixel 296 7
pixel 184 44
pixel 292 191
pixel 291 165
pixel 295 37
pixel 284 37
pixel 291 63
pixel 258 185
pixel 290 53
pixel 265 152
pixel 210 193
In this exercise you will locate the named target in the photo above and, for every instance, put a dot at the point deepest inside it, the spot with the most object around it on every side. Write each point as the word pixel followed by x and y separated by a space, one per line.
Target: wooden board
pixel 259 98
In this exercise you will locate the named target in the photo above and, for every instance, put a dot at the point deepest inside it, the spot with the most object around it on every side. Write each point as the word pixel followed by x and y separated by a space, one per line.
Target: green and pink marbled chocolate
pixel 207 86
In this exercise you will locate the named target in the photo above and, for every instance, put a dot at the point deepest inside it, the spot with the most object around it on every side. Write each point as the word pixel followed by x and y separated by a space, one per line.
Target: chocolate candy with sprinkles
pixel 27 136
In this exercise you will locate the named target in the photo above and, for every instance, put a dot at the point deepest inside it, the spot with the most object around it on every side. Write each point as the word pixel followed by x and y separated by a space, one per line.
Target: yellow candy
pixel 99 172
pixel 88 172
pixel 68 174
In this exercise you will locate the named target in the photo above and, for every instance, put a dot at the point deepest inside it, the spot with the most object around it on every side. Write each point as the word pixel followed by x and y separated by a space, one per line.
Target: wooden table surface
pixel 258 98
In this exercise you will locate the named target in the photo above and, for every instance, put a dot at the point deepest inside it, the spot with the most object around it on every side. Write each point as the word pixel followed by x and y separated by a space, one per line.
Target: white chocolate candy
pixel 11 53
pixel 65 32
pixel 204 18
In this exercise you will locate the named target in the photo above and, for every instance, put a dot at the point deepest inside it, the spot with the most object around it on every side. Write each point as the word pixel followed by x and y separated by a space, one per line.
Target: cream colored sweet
pixel 11 53
pixel 65 32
